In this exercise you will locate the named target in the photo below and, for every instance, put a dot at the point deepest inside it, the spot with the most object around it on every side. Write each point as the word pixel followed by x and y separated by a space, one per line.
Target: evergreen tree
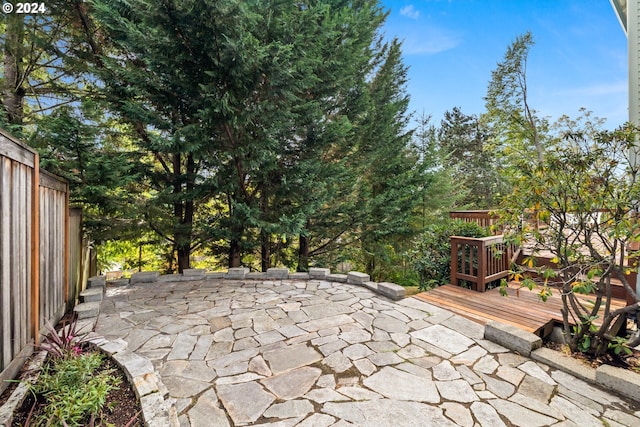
pixel 223 96
pixel 48 100
pixel 474 166
pixel 390 176
pixel 516 129
pixel 38 73
pixel 439 190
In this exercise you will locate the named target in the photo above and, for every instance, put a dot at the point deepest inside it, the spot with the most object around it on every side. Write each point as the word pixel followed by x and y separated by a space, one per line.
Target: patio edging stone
pixel 386 289
pixel 618 380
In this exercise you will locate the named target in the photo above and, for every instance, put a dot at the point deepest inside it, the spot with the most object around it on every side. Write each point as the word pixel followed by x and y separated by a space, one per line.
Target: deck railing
pixel 483 218
pixel 480 261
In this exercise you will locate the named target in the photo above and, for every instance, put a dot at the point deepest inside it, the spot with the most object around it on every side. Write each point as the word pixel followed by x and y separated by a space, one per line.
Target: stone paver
pixel 273 351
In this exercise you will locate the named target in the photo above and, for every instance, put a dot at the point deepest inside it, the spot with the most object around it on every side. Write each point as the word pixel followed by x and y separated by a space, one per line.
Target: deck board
pixel 521 308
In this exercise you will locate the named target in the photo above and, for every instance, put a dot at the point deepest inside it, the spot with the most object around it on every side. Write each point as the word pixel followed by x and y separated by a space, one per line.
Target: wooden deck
pixel 522 308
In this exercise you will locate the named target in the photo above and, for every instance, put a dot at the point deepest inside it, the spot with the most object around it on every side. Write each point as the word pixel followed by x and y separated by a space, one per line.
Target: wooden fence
pixel 38 243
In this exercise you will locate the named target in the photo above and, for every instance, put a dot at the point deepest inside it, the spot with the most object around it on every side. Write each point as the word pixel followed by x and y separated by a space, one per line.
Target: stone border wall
pixel 389 290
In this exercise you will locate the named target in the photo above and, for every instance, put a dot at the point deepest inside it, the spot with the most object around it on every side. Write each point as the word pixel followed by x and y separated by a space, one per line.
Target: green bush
pixel 432 252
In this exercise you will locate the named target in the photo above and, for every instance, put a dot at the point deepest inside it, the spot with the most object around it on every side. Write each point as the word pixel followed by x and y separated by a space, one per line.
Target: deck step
pixel 521 308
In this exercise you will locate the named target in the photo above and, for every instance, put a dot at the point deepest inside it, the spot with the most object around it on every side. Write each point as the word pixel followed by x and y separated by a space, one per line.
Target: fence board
pixel 15 278
pixel 74 283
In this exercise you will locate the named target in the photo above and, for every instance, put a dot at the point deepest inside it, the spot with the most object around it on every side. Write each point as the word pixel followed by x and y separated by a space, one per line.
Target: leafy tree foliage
pixel 237 128
pixel 437 192
pixel 48 99
pixel 586 193
pixel 39 73
pixel 244 112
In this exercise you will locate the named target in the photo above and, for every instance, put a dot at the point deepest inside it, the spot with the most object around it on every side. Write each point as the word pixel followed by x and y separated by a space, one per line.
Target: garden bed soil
pixel 122 407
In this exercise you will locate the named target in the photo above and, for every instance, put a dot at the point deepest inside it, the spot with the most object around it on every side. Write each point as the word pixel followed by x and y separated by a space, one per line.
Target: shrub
pixel 432 253
pixel 587 192
pixel 65 343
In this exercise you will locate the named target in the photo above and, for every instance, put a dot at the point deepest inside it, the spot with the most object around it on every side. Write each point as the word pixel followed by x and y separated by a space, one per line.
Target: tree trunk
pixel 303 254
pixel 182 234
pixel 234 253
pixel 371 266
pixel 183 211
pixel 184 255
pixel 265 247
pixel 12 90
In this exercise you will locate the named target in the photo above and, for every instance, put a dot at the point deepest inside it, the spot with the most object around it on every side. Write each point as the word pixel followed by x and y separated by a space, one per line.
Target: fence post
pixel 35 249
pixel 67 220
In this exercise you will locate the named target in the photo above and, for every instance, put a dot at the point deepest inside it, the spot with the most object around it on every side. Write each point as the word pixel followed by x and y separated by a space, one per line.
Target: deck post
pixel 454 262
pixel 482 266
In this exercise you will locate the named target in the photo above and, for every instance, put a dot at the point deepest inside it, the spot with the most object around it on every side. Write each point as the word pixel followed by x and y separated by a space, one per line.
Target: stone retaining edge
pixel 618 380
pixel 18 395
pixel 158 409
pixel 386 289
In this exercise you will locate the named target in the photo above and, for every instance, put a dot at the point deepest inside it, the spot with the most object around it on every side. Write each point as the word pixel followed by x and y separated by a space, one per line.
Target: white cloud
pixel 429 41
pixel 410 12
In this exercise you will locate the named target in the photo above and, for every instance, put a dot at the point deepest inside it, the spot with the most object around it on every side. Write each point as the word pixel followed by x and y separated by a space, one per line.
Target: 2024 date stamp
pixel 20 8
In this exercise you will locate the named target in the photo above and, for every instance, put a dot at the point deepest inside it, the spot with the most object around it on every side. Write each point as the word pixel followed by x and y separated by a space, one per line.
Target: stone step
pixel 198 273
pixel 277 273
pixel 97 282
pixel 118 282
pixel 392 290
pixel 334 277
pixel 91 294
pixel 87 309
pixel 357 278
pixel 299 276
pixel 319 273
pixel 144 277
pixel 237 273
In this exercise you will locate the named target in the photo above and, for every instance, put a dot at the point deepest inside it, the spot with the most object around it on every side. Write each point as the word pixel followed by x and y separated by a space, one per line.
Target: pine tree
pixel 465 142
pixel 222 96
pixel 390 180
pixel 515 126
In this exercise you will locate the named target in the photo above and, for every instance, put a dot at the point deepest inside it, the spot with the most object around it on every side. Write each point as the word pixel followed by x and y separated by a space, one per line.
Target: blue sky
pixel 451 46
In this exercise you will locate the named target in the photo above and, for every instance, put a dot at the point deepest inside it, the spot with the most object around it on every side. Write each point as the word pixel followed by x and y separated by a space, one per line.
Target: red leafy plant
pixel 65 343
